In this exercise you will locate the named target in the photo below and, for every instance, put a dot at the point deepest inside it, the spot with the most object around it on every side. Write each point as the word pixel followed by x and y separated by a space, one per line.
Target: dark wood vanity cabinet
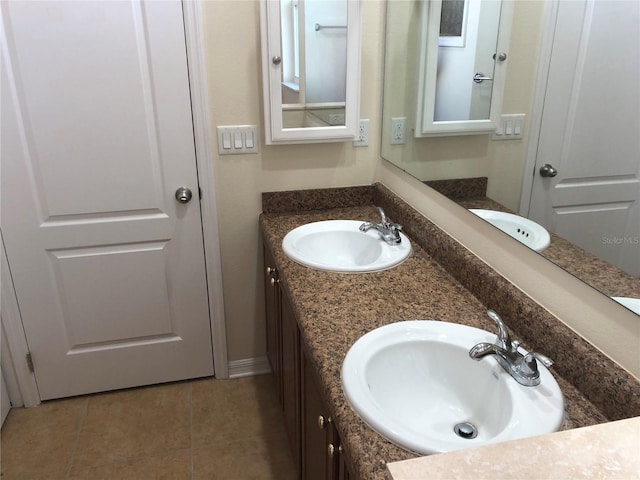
pixel 273 319
pixel 283 352
pixel 313 438
pixel 322 453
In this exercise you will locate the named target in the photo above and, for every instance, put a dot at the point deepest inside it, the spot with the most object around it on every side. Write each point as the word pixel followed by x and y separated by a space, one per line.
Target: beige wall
pixel 232 40
pixel 233 43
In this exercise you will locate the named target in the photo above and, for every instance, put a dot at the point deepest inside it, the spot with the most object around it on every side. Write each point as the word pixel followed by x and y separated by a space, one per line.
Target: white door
pixel 590 131
pixel 97 136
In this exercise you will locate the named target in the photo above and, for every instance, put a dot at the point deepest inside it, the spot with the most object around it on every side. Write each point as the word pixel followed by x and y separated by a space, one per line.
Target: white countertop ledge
pixel 607 451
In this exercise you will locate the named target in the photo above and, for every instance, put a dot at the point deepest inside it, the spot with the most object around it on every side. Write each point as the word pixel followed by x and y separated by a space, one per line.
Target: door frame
pixel 537 103
pixel 196 65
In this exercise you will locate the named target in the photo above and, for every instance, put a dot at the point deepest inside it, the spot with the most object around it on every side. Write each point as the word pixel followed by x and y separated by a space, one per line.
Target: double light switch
pixel 237 139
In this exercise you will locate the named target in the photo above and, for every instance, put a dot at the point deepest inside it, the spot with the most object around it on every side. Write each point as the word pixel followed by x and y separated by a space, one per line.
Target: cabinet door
pixel 343 468
pixel 317 430
pixel 291 376
pixel 273 319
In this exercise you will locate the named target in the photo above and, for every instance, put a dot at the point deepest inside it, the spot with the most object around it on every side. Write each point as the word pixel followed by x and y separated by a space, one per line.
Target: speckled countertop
pixel 334 310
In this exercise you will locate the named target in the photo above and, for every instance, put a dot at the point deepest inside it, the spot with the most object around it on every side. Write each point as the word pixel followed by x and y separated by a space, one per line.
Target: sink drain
pixel 466 430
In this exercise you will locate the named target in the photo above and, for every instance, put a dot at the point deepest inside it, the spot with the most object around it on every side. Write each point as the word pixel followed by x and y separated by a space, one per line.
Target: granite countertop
pixel 334 310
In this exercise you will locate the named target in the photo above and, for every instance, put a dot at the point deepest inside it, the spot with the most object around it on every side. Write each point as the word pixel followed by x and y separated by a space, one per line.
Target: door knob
pixel 548 171
pixel 480 77
pixel 183 195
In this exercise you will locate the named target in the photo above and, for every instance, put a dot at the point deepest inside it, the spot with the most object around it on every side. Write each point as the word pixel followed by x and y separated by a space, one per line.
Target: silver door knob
pixel 276 60
pixel 548 171
pixel 183 195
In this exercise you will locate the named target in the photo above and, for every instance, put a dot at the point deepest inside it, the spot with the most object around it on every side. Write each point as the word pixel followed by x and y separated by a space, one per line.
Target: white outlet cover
pixel 398 131
pixel 362 134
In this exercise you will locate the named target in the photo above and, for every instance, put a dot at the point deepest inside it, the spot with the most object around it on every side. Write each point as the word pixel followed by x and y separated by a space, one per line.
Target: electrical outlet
pixel 362 135
pixel 398 130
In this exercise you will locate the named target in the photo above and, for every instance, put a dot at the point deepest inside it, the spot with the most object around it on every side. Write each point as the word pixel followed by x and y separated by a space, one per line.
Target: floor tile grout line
pixel 84 414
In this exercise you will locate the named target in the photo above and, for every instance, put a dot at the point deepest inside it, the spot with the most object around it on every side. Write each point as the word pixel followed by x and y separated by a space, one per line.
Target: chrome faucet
pixel 390 232
pixel 523 368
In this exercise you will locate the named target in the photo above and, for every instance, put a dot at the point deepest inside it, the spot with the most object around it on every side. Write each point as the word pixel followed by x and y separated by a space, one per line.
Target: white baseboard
pixel 247 367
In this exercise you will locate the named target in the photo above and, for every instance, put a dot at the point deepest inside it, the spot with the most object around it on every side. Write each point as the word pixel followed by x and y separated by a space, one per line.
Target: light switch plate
pixel 510 127
pixel 245 134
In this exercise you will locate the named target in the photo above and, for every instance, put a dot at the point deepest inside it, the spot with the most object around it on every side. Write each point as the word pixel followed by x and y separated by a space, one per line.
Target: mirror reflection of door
pixel 467 44
pixel 314 62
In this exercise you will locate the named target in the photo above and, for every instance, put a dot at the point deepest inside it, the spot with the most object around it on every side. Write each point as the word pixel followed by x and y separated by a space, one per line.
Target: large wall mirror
pixel 576 168
pixel 311 69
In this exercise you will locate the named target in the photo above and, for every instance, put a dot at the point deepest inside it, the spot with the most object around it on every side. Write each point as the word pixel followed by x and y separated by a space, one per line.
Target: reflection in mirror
pixel 314 62
pixel 466 51
pixel 462 65
pixel 310 69
pixel 452 22
pixel 478 172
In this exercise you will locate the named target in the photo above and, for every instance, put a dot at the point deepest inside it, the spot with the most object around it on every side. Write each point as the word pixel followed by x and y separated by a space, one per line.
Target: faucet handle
pixel 543 359
pixel 529 365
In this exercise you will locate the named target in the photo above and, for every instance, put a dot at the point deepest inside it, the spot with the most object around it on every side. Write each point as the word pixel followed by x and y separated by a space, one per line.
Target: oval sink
pixel 339 246
pixel 526 231
pixel 414 383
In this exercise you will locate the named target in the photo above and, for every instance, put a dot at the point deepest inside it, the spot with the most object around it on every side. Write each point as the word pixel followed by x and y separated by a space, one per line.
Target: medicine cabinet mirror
pixel 462 58
pixel 310 69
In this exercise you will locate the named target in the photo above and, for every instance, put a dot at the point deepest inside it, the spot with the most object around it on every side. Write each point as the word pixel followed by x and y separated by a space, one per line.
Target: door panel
pixel 589 131
pixel 133 297
pixel 97 136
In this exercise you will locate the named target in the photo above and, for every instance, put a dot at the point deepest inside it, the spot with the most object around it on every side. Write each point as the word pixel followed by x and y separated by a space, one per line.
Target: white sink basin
pixel 522 229
pixel 414 381
pixel 339 246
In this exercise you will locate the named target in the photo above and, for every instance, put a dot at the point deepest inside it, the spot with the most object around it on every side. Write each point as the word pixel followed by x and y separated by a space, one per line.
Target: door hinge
pixel 30 362
pixel 200 193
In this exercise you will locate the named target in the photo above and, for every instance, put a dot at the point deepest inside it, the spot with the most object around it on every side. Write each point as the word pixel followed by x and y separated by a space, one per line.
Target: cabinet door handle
pixel 322 422
pixel 331 450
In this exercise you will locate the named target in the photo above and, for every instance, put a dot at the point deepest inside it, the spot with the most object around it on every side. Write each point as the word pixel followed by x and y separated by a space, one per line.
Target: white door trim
pixel 14 361
pixel 535 123
pixel 11 320
pixel 192 11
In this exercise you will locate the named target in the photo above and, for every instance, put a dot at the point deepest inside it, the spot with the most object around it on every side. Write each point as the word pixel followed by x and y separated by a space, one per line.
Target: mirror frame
pixel 275 132
pixel 427 74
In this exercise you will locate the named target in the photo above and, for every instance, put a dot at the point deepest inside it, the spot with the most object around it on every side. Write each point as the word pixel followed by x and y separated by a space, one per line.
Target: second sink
pixel 526 231
pixel 339 246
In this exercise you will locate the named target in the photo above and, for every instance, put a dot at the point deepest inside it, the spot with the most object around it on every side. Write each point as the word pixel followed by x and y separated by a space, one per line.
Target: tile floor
pixel 201 429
